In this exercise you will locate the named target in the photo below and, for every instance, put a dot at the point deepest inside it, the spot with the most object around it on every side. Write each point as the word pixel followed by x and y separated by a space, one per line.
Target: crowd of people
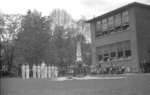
pixel 111 69
pixel 41 71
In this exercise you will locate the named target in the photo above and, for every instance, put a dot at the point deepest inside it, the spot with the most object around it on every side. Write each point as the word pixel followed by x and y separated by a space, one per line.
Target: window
pixel 100 57
pixel 120 51
pixel 125 17
pixel 106 57
pixel 110 22
pixel 118 20
pixel 118 23
pixel 127 53
pixel 113 54
pixel 125 20
pixel 98 29
pixel 127 48
pixel 104 26
pixel 98 25
pixel 120 54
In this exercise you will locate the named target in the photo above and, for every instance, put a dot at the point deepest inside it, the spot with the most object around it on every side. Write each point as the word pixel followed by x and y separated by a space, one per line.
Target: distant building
pixel 122 37
pixel 60 17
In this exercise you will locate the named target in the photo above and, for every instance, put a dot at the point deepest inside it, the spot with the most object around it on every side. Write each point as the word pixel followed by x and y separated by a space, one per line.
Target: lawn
pixel 137 84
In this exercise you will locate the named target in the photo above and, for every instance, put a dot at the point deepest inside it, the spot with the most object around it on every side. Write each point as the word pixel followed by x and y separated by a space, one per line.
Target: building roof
pixel 134 4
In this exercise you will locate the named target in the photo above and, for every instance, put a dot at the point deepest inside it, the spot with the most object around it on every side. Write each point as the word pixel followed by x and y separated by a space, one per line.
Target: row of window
pixel 114 30
pixel 110 52
pixel 112 24
pixel 114 55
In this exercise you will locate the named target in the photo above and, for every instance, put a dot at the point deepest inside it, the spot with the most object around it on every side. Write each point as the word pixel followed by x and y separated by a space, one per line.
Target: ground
pixel 134 84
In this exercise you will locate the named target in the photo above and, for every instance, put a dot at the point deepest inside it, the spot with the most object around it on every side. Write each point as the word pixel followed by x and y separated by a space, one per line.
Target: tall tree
pixel 33 40
pixel 10 26
pixel 64 47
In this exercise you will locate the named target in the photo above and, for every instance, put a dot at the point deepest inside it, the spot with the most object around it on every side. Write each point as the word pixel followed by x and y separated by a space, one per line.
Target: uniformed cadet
pixel 38 71
pixel 23 71
pixel 34 71
pixel 45 71
pixel 56 72
pixel 52 72
pixel 27 71
pixel 42 70
pixel 49 71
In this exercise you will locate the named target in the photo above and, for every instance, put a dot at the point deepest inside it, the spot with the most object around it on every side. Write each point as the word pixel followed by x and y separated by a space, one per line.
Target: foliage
pixel 10 25
pixel 33 40
pixel 65 50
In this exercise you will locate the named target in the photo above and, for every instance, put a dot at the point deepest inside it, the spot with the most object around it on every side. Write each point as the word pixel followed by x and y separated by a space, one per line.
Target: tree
pixel 1 36
pixel 33 40
pixel 9 29
pixel 1 27
pixel 11 25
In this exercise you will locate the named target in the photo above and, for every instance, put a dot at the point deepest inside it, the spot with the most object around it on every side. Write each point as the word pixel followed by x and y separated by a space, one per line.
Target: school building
pixel 122 37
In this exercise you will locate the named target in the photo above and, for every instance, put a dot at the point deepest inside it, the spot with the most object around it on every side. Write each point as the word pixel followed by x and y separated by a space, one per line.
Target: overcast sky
pixel 76 8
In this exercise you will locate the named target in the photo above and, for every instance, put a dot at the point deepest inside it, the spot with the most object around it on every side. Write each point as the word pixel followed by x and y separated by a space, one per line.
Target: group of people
pixel 41 71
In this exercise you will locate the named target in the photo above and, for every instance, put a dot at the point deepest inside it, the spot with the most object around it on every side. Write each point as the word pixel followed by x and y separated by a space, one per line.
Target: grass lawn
pixel 138 84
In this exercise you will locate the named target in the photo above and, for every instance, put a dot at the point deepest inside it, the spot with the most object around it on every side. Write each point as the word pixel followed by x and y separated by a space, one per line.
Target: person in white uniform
pixel 38 71
pixel 52 72
pixel 27 71
pixel 34 71
pixel 43 70
pixel 56 72
pixel 49 71
pixel 23 71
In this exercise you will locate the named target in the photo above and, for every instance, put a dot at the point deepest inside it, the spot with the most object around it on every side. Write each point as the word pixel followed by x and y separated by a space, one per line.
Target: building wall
pixel 119 37
pixel 135 62
pixel 143 33
pixel 92 28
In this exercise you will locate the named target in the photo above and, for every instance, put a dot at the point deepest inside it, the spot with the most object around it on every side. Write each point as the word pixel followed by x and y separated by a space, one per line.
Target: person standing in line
pixel 49 71
pixel 38 71
pixel 36 67
pixel 27 71
pixel 56 72
pixel 23 70
pixel 52 72
pixel 34 71
pixel 45 71
pixel 42 70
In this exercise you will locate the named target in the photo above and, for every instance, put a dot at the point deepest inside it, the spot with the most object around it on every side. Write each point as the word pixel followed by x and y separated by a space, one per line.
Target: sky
pixel 76 8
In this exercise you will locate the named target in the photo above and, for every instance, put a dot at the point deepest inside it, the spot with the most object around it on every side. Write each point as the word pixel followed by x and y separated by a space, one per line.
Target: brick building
pixel 122 37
